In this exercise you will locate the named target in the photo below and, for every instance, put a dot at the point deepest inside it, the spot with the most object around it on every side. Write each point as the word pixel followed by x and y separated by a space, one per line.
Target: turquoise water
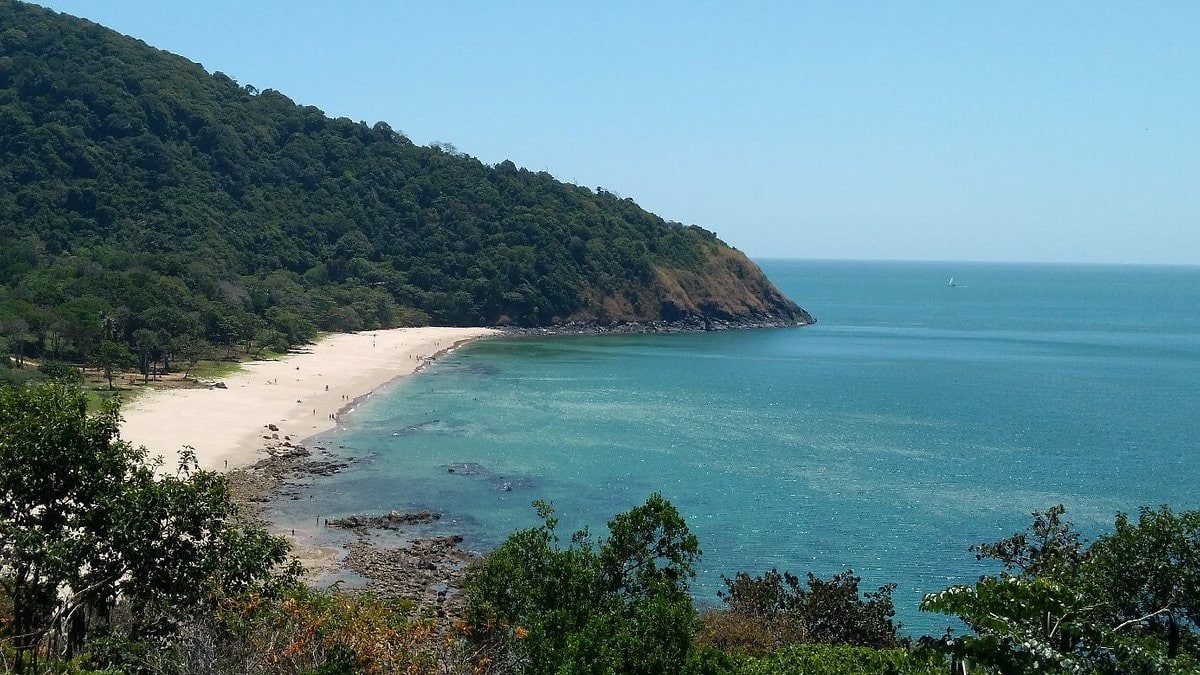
pixel 912 420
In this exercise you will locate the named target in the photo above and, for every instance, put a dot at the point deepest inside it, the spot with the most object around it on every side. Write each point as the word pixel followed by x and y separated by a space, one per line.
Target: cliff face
pixel 726 286
pixel 131 179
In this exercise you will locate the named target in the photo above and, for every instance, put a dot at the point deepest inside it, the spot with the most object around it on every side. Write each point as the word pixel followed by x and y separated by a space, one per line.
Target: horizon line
pixel 947 261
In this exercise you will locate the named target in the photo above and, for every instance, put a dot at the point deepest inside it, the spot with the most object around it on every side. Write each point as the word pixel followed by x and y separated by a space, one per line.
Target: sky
pixel 1004 131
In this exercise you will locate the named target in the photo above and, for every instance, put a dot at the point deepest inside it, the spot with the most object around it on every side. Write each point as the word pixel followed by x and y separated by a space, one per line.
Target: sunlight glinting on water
pixel 912 421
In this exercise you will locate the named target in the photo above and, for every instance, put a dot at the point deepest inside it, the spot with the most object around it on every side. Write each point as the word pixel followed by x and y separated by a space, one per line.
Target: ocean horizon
pixel 934 405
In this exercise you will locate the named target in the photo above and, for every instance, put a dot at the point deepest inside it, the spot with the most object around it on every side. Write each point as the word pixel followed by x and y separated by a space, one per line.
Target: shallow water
pixel 913 420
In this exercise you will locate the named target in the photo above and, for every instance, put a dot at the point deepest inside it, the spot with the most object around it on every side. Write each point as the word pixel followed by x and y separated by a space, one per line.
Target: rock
pixel 689 323
pixel 427 572
pixel 467 468
pixel 272 427
pixel 391 521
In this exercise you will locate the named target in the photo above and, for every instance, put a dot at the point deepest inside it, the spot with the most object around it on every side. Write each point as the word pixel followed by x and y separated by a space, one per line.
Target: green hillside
pixel 140 192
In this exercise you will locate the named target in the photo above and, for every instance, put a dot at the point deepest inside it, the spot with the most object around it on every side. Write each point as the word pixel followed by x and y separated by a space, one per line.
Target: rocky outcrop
pixel 720 289
pixel 691 324
pixel 427 572
pixel 391 521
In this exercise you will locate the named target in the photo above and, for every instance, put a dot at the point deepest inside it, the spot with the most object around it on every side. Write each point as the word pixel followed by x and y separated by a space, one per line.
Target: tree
pixel 833 612
pixel 57 370
pixel 112 356
pixel 190 349
pixel 771 611
pixel 79 320
pixel 1126 603
pixel 294 327
pixel 87 524
pixel 14 331
pixel 268 338
pixel 166 323
pixel 1020 624
pixel 148 347
pixel 622 606
pixel 1149 573
pixel 101 134
pixel 1048 548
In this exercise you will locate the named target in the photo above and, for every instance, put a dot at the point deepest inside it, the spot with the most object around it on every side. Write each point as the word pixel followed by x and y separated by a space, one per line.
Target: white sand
pixel 298 393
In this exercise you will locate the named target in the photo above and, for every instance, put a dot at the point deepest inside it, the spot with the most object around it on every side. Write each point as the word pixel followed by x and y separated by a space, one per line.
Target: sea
pixel 917 417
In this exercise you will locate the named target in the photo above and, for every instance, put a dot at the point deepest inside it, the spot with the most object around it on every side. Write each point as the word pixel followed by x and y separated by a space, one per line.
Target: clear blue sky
pixel 1026 131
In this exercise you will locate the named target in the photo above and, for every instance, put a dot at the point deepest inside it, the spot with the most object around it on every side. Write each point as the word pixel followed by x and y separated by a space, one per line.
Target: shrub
pixel 619 606
pixel 771 611
pixel 818 659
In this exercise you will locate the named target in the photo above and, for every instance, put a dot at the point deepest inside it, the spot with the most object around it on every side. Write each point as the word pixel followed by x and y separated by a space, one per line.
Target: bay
pixel 913 420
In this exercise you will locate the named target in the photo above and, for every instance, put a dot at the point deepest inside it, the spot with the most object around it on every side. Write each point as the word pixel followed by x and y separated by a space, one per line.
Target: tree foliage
pixel 87 525
pixel 824 659
pixel 140 193
pixel 313 631
pixel 620 605
pixel 1149 573
pixel 1127 603
pixel 768 612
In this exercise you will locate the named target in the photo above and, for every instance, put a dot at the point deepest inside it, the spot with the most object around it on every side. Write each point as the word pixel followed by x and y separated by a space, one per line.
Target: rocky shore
pixel 427 572
pixel 691 324
pixel 283 461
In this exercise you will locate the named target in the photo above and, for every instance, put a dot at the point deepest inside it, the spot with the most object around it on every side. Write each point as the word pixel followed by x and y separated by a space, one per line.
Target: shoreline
pixel 693 324
pixel 228 423
pixel 296 397
pixel 268 444
pixel 426 569
pixel 422 363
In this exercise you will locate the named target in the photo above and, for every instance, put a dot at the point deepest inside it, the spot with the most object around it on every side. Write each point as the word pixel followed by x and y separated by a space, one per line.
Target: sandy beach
pixel 302 394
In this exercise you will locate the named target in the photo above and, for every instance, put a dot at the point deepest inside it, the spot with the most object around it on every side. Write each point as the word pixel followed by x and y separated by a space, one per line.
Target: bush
pixel 816 659
pixel 621 606
pixel 94 542
pixel 772 611
pixel 19 377
pixel 62 372
pixel 1130 602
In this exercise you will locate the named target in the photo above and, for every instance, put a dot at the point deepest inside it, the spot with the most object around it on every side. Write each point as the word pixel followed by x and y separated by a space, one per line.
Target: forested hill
pixel 137 187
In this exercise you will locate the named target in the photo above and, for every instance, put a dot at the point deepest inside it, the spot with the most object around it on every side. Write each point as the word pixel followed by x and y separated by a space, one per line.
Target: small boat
pixel 951 283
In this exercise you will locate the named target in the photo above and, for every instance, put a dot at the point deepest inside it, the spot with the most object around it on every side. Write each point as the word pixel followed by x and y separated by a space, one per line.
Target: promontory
pixel 144 200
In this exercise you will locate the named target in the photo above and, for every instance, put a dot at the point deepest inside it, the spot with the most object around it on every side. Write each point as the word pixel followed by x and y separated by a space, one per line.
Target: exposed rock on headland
pixel 690 324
